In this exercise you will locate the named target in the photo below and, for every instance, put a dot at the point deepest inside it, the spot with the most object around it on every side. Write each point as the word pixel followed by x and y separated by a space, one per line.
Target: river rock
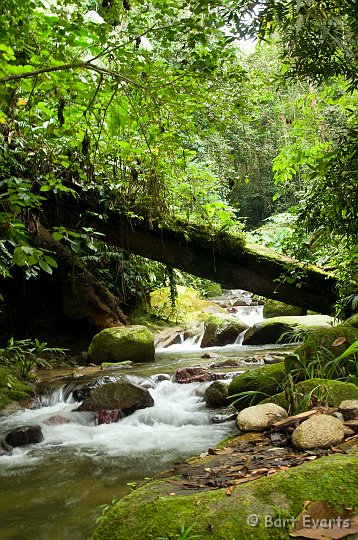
pixel 56 420
pixel 259 417
pixel 81 392
pixel 159 377
pixel 120 343
pixel 222 329
pixel 319 431
pixel 274 308
pixel 216 394
pixel 260 382
pixel 168 336
pixel 196 374
pixel 24 435
pixel 281 329
pixel 109 417
pixel 122 395
pixel 349 409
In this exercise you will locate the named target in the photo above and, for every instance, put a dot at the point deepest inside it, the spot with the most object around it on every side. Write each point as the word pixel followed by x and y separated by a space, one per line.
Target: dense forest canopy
pixel 155 106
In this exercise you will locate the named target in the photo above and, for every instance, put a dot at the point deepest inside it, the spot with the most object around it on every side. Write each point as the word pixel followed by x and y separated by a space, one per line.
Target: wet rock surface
pixel 196 374
pixel 24 435
pixel 122 395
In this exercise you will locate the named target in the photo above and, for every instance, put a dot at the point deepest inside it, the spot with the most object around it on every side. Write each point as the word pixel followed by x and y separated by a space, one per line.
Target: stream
pixel 53 490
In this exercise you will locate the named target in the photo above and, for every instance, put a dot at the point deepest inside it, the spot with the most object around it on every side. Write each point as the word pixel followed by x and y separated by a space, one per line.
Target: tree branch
pixel 67 67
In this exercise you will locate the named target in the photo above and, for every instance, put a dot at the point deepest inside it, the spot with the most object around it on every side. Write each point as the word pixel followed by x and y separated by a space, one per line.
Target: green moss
pixel 330 392
pixel 274 308
pixel 266 380
pixel 151 512
pixel 122 343
pixel 324 338
pixel 283 329
pixel 352 321
pixel 12 389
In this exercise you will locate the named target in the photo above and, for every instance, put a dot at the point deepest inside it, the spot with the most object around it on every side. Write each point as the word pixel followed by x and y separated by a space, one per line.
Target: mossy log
pixel 202 251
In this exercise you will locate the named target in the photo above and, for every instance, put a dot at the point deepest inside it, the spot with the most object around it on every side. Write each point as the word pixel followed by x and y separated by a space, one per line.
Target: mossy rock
pixel 212 289
pixel 135 343
pixel 13 389
pixel 352 321
pixel 274 308
pixel 222 329
pixel 266 381
pixel 156 511
pixel 216 394
pixel 332 393
pixel 283 329
pixel 324 340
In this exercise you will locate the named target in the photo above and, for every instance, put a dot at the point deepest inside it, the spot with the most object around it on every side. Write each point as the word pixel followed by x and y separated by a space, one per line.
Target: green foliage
pixel 24 355
pixel 105 508
pixel 185 533
pixel 321 362
pixel 318 38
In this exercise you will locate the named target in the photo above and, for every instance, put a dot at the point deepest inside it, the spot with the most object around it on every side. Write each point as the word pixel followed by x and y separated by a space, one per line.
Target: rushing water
pixel 53 490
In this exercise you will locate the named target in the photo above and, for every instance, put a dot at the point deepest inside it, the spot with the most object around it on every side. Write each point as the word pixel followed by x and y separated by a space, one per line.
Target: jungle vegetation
pixel 234 114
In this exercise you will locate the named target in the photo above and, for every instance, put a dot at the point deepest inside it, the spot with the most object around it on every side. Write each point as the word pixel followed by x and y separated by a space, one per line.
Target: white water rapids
pixel 177 425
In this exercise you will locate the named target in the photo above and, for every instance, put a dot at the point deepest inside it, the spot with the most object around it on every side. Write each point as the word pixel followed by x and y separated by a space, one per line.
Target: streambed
pixel 53 490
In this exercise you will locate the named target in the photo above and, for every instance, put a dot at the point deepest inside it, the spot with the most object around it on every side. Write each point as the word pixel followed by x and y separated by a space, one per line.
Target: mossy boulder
pixel 266 381
pixel 327 392
pixel 325 340
pixel 122 343
pixel 352 321
pixel 274 308
pixel 282 329
pixel 157 510
pixel 221 329
pixel 216 394
pixel 13 389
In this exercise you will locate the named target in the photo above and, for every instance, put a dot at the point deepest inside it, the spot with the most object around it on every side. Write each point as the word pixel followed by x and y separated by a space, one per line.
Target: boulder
pixel 352 321
pixel 162 505
pixel 259 417
pixel 24 435
pixel 283 329
pixel 322 392
pixel 122 395
pixel 222 329
pixel 349 409
pixel 259 382
pixel 121 343
pixel 319 431
pixel 274 308
pixel 216 394
pixel 196 374
pixel 329 340
pixel 83 389
pixel 168 336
